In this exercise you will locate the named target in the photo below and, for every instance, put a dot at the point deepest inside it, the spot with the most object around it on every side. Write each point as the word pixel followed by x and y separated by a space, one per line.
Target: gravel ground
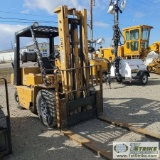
pixel 132 103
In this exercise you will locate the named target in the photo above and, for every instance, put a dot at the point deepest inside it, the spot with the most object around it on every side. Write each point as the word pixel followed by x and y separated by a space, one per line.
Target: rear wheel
pixel 119 79
pixel 46 107
pixel 16 98
pixel 143 79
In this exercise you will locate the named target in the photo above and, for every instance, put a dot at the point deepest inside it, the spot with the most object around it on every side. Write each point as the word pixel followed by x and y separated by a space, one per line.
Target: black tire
pixel 16 98
pixel 119 79
pixel 143 80
pixel 46 107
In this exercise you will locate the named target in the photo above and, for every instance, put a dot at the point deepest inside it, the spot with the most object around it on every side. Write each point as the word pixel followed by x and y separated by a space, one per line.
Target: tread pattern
pixel 46 107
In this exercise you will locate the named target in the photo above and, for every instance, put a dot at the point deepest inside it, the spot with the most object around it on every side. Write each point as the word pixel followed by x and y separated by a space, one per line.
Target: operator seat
pixel 47 65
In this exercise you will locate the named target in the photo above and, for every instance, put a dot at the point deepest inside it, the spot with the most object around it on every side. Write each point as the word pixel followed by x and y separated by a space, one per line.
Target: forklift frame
pixel 5 128
pixel 41 32
pixel 74 71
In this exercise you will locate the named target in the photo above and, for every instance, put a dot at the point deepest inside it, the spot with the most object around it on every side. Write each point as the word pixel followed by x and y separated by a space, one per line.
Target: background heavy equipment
pixel 136 46
pixel 152 59
pixel 95 61
pixel 95 71
pixel 106 52
pixel 5 128
pixel 59 89
pixel 136 41
pixel 129 69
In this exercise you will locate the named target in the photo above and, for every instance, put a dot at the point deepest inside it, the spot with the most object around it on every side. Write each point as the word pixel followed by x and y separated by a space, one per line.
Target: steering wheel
pixel 54 55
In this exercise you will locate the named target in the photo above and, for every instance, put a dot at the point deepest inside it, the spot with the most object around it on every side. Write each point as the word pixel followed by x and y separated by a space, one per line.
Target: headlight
pixel 35 24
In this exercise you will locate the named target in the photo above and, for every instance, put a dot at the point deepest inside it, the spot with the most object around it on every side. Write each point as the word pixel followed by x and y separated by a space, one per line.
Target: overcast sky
pixel 17 14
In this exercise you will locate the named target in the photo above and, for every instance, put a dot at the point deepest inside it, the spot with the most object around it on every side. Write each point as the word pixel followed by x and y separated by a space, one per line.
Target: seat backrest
pixel 47 65
pixel 28 56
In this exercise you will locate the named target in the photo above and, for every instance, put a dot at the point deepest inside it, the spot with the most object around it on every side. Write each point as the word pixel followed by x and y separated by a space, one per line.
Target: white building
pixel 44 48
pixel 7 55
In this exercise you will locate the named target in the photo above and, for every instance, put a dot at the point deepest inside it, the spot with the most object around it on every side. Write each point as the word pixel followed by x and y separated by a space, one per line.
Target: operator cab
pixel 35 31
pixel 136 40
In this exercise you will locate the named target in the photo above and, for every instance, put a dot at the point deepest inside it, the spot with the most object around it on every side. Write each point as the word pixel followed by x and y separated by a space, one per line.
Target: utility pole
pixel 92 3
pixel 11 45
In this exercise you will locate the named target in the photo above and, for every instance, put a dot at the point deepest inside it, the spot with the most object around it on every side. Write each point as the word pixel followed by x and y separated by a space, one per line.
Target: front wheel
pixel 143 79
pixel 46 107
pixel 119 79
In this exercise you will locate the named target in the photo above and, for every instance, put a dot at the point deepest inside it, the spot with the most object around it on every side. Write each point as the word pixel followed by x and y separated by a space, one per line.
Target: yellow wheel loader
pixel 58 89
pixel 136 41
pixel 104 63
pixel 107 53
pixel 95 61
pixel 136 46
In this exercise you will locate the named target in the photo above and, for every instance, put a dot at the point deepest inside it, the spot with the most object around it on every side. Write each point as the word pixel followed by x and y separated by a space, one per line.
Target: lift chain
pixel 39 58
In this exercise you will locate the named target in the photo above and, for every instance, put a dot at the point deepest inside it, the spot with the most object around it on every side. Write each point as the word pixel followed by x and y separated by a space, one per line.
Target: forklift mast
pixel 77 87
pixel 73 49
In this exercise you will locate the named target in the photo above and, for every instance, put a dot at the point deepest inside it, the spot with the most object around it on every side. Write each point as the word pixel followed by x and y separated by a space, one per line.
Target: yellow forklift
pixel 60 89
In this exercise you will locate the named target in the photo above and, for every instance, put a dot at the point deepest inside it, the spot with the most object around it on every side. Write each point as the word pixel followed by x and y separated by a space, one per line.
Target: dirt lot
pixel 132 103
